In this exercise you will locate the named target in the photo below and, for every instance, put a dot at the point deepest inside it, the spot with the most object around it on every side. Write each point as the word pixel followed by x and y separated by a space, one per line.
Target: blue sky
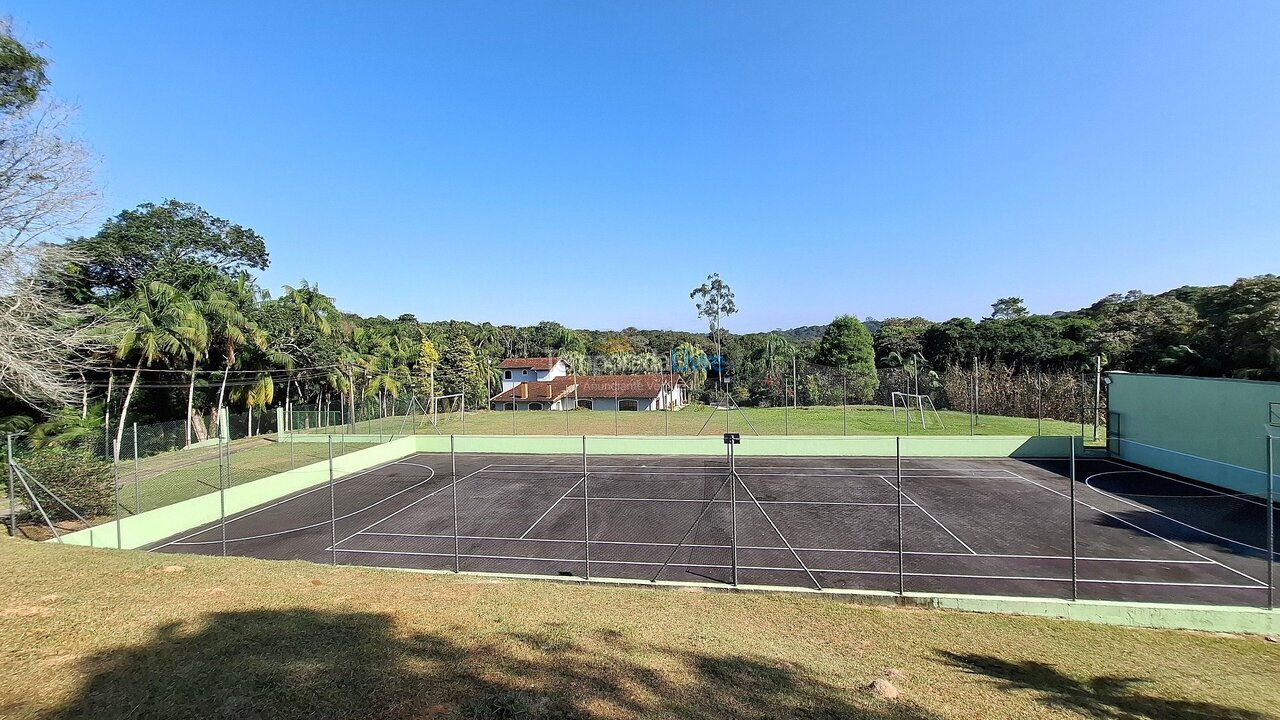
pixel 590 162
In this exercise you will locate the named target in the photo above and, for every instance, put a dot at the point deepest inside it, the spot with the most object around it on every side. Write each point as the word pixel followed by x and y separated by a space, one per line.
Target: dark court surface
pixel 956 525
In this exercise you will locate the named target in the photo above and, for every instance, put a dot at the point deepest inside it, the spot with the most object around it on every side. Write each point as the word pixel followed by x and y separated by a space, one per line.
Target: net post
pixel 333 509
pixel 586 510
pixel 902 581
pixel 137 478
pixel 1075 555
pixel 453 477
pixel 13 498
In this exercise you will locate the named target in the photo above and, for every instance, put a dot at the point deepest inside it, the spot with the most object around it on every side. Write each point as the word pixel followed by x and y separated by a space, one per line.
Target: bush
pixel 75 475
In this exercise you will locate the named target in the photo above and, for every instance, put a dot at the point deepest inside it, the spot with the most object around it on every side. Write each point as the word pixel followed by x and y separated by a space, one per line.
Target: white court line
pixel 931 517
pixel 553 506
pixel 1245 497
pixel 313 525
pixel 1154 511
pixel 716 566
pixel 323 486
pixel 406 507
pixel 713 472
pixel 1149 532
pixel 726 502
pixel 998 556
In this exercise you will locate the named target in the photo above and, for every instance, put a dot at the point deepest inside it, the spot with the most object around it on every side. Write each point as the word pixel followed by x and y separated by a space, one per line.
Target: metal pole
pixel 844 403
pixel 733 511
pixel 115 481
pixel 786 406
pixel 137 493
pixel 1040 402
pixel 902 582
pixel 1080 392
pixel 453 470
pixel 615 410
pixel 291 465
pixel 973 421
pixel 333 508
pixel 13 496
pixel 1097 393
pixel 1271 523
pixel 222 496
pixel 586 509
pixel 1075 570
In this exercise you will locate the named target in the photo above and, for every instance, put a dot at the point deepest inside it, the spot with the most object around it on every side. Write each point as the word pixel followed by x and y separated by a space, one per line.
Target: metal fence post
pixel 291 462
pixel 222 496
pixel 586 508
pixel 1040 402
pixel 1271 523
pixel 333 508
pixel 13 497
pixel 137 491
pixel 786 409
pixel 453 464
pixel 115 482
pixel 1075 571
pixel 902 582
pixel 733 511
pixel 844 404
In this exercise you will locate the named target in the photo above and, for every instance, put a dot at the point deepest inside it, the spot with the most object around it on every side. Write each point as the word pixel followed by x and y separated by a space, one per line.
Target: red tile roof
pixel 540 363
pixel 590 386
pixel 539 390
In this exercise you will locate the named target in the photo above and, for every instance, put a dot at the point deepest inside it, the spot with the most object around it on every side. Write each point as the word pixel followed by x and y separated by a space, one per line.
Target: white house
pixel 551 389
pixel 519 370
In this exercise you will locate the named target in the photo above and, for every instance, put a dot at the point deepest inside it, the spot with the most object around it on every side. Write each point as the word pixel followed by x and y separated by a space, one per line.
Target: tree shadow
pixel 1102 696
pixel 305 663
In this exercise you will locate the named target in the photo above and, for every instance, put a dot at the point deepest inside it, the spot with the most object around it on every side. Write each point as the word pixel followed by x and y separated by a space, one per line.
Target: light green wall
pixel 1210 429
pixel 155 525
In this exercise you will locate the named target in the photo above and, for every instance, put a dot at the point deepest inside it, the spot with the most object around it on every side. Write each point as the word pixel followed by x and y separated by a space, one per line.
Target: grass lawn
pixel 861 420
pixel 106 634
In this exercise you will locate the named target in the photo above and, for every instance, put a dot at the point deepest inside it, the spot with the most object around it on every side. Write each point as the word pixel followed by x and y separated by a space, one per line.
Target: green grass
pixel 107 634
pixel 183 474
pixel 858 420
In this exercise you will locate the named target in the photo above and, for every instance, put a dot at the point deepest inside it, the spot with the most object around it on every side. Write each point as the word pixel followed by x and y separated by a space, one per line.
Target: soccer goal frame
pixel 454 403
pixel 919 400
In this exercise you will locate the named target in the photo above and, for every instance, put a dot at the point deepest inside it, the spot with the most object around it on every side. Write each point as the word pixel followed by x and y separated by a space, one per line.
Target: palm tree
pixel 234 329
pixel 162 321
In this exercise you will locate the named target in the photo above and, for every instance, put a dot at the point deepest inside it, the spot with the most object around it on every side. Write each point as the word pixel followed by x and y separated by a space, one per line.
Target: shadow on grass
pixel 1102 696
pixel 309 664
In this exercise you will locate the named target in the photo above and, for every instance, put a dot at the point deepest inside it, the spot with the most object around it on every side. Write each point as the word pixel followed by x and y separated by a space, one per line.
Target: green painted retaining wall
pixel 1209 429
pixel 154 525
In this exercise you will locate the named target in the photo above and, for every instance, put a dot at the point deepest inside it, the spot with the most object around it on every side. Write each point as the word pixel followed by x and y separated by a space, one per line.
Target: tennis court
pixel 991 526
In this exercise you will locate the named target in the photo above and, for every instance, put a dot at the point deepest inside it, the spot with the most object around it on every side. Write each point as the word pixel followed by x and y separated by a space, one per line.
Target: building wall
pixel 1209 429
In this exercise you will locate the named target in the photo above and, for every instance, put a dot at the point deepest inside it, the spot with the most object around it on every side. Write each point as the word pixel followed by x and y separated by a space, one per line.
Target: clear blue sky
pixel 590 162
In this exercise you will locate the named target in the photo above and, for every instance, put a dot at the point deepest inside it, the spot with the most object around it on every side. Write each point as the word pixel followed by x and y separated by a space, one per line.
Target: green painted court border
pixel 1163 616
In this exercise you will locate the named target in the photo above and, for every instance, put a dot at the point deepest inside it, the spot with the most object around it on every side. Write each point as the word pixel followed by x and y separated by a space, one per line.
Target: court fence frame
pixel 150 527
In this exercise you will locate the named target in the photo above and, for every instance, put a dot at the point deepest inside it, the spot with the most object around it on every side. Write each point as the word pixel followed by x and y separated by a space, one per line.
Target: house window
pixel 509 406
pixel 584 404
pixel 535 406
pixel 628 405
pixel 508 375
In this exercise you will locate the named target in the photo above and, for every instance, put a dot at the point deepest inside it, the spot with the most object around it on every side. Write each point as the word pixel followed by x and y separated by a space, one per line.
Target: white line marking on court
pixel 594 498
pixel 406 507
pixel 553 506
pixel 920 553
pixel 931 517
pixel 1244 497
pixel 322 486
pixel 1149 532
pixel 1147 508
pixel 766 568
pixel 315 525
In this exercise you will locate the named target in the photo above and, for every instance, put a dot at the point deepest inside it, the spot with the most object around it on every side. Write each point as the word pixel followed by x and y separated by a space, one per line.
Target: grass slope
pixel 104 634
